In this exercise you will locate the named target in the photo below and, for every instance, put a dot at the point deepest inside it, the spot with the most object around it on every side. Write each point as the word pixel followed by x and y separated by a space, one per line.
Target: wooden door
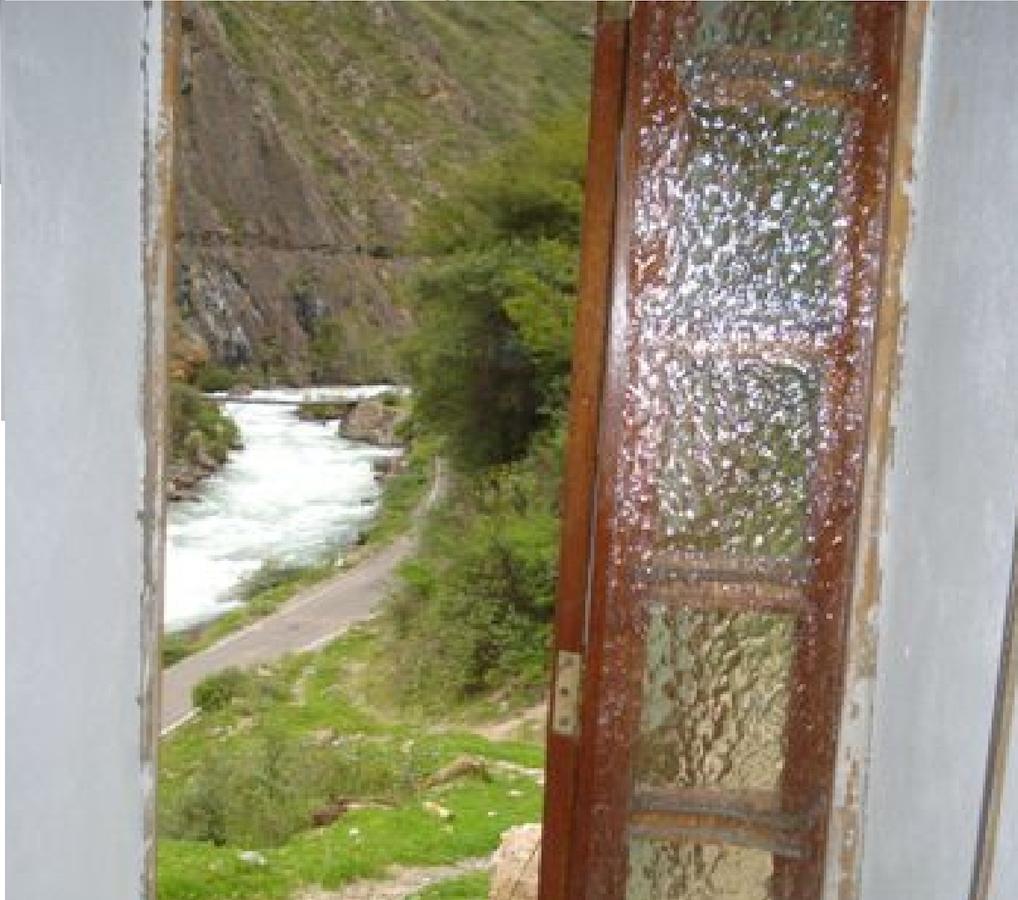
pixel 732 259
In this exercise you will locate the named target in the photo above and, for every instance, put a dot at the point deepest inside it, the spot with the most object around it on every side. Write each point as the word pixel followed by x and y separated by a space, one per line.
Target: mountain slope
pixel 311 136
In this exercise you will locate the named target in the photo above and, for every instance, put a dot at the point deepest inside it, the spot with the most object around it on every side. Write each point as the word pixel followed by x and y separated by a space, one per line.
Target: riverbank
pixel 404 498
pixel 201 436
pixel 297 494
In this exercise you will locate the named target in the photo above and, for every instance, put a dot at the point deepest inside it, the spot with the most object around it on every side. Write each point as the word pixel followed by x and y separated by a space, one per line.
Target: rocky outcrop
pixel 263 258
pixel 309 137
pixel 375 422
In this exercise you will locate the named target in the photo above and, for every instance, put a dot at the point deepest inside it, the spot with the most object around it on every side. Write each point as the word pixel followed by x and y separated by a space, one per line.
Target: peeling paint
pixel 160 59
pixel 847 813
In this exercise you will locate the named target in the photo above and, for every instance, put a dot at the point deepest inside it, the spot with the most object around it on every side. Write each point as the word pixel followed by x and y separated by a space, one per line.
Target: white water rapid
pixel 295 491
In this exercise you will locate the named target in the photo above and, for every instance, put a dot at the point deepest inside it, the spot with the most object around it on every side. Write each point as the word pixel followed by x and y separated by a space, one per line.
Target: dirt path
pixel 402 882
pixel 310 619
pixel 526 723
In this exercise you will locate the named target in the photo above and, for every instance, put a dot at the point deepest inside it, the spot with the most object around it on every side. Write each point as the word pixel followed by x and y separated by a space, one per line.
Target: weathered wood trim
pixel 845 841
pixel 584 418
pixel 160 68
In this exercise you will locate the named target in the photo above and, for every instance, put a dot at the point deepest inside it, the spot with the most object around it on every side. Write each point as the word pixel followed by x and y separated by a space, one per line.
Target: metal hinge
pixel 565 717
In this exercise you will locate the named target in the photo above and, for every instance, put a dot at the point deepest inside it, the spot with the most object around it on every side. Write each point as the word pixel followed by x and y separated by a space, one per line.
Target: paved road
pixel 307 621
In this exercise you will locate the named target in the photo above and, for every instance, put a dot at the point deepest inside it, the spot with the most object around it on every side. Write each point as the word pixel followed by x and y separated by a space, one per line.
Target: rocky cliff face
pixel 310 134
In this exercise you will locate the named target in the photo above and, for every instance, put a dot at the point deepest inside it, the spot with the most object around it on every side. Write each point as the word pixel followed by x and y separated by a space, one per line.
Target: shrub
pixel 474 609
pixel 219 690
pixel 261 792
pixel 211 378
pixel 195 422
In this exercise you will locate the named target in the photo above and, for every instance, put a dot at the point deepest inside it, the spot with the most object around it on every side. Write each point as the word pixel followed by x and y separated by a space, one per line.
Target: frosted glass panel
pixel 734 426
pixel 788 25
pixel 660 870
pixel 715 697
pixel 737 445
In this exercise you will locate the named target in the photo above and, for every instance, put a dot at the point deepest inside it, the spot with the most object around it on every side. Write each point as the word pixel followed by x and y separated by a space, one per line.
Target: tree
pixel 494 302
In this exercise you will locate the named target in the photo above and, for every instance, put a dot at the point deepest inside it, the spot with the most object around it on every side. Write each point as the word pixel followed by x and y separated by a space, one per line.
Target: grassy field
pixel 240 785
pixel 467 887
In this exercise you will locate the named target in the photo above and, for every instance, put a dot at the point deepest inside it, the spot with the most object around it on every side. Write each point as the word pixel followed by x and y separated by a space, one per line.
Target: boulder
pixel 373 422
pixel 516 863
pixel 387 466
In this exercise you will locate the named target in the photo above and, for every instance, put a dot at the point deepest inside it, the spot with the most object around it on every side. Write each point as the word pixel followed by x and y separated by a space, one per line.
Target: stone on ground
pixel 516 864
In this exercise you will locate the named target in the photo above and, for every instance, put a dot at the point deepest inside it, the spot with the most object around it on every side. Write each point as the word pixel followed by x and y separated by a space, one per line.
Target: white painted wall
pixel 953 483
pixel 73 356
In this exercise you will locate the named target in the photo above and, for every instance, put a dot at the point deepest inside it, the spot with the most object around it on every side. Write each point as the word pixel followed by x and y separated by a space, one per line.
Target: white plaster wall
pixel 953 485
pixel 74 325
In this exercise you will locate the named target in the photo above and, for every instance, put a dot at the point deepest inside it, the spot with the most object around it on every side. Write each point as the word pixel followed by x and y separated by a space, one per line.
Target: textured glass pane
pixel 789 26
pixel 738 441
pixel 715 696
pixel 660 870
pixel 755 229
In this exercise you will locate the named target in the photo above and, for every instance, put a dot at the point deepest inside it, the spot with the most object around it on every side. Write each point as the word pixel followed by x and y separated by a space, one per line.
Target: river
pixel 294 492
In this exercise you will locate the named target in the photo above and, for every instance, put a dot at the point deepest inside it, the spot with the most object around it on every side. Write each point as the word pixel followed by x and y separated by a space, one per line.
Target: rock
pixel 324 412
pixel 262 246
pixel 252 858
pixel 374 422
pixel 329 813
pixel 388 466
pixel 516 863
pixel 460 767
pixel 436 809
pixel 205 462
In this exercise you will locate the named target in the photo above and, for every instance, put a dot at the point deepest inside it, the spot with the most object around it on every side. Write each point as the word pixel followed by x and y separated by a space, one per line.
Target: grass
pixel 402 494
pixel 297 702
pixel 361 845
pixel 474 886
pixel 457 81
pixel 322 412
pixel 198 426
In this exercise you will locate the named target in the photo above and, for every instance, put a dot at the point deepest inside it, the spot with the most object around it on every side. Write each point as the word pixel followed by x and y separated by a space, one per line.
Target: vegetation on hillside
pixel 458 80
pixel 287 746
pixel 490 361
pixel 291 776
pixel 312 137
pixel 199 430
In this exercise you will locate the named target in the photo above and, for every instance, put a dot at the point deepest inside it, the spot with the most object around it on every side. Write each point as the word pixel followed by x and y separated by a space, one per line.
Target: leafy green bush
pixel 211 378
pixel 494 305
pixel 260 793
pixel 475 606
pixel 198 425
pixel 217 691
